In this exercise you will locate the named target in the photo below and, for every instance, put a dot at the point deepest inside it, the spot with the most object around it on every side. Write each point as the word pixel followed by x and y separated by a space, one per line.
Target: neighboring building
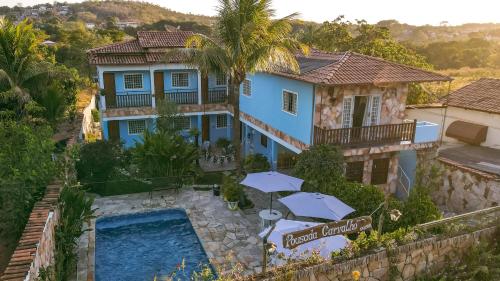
pixel 90 25
pixel 345 99
pixel 470 149
pixel 125 24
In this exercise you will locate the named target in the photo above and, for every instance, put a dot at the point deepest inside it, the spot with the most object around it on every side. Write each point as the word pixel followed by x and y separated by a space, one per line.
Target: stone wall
pixel 465 189
pixel 329 103
pixel 35 248
pixel 426 256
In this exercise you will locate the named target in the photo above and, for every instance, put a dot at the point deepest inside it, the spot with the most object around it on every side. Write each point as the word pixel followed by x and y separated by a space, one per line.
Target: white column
pixel 103 102
pixel 152 79
pixel 199 87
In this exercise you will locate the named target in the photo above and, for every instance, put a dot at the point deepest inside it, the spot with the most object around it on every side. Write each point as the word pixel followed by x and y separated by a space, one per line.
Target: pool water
pixel 139 246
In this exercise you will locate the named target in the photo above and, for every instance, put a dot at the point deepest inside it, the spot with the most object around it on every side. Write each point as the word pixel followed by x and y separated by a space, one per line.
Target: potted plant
pixel 232 193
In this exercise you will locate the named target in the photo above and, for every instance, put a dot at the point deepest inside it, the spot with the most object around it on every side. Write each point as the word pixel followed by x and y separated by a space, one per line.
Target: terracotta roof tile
pixel 352 68
pixel 482 95
pixel 319 67
pixel 150 47
pixel 163 39
pixel 131 46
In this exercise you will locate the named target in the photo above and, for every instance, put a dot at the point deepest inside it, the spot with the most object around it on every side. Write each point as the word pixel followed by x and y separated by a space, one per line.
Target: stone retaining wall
pixel 465 189
pixel 36 246
pixel 410 260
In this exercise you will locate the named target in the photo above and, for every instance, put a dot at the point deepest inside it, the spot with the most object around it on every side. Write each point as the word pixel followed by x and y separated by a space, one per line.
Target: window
pixel 182 123
pixel 221 121
pixel 136 127
pixel 354 171
pixel 263 140
pixel 220 79
pixel 290 102
pixel 247 87
pixel 180 79
pixel 133 81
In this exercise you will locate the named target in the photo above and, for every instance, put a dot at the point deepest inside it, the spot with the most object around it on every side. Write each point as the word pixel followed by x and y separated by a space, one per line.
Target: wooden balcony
pixel 188 96
pixel 129 99
pixel 367 136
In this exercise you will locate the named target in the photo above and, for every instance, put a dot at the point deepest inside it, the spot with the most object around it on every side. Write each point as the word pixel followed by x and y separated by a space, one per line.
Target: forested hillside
pixel 142 12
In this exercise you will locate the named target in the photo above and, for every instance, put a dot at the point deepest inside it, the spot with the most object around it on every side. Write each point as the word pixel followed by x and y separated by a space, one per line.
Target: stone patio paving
pixel 223 233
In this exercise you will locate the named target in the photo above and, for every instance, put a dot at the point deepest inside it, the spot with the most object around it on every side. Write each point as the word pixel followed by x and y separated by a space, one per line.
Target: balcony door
pixel 109 89
pixel 359 112
pixel 159 86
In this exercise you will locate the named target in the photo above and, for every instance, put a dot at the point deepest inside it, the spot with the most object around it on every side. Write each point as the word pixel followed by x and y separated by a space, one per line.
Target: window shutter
pixel 347 112
pixel 375 110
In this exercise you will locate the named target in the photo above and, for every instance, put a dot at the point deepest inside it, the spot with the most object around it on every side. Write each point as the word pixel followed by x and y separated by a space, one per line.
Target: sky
pixel 416 12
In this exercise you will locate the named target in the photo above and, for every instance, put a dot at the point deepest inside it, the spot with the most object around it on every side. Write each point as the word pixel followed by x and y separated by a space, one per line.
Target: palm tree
pixel 246 39
pixel 18 59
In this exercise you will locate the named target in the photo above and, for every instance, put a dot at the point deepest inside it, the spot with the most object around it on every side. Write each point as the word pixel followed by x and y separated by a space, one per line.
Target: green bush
pixel 255 163
pixel 320 166
pixel 222 143
pixel 418 208
pixel 75 209
pixel 232 190
pixel 163 154
pixel 95 115
pixel 98 161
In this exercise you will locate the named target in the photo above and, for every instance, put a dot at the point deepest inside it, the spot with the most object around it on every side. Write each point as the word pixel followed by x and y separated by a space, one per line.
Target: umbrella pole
pixel 271 208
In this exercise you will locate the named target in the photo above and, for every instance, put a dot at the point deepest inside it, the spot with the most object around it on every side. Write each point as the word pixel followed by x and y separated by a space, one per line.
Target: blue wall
pixel 212 78
pixel 218 133
pixel 120 86
pixel 265 104
pixel 128 140
pixel 408 162
pixel 193 79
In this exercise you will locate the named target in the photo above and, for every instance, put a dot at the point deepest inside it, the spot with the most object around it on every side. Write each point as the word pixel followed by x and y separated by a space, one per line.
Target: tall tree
pixel 246 39
pixel 18 60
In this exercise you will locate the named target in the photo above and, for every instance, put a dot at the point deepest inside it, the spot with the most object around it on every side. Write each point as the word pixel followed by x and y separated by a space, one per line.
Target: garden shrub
pixel 222 143
pixel 163 154
pixel 26 167
pixel 255 163
pixel 95 115
pixel 320 166
pixel 75 209
pixel 98 161
pixel 232 190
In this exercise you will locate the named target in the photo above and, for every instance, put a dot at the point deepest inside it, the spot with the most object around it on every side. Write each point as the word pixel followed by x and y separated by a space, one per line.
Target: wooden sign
pixel 297 238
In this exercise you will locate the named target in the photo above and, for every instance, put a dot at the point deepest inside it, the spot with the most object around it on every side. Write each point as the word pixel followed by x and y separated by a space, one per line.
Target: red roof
pixel 163 39
pixel 318 67
pixel 148 47
pixel 353 68
pixel 482 95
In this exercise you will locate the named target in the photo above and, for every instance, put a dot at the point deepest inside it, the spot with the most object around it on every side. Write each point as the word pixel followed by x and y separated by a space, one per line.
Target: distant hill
pixel 141 12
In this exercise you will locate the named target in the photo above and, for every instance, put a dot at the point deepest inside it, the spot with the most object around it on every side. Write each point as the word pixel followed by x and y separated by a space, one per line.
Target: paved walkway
pixel 223 233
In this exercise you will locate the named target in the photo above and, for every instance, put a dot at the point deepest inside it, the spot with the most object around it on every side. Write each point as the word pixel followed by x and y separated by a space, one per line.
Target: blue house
pixel 346 99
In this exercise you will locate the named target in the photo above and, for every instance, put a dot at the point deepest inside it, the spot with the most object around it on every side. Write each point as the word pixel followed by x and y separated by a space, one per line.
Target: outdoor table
pixel 268 218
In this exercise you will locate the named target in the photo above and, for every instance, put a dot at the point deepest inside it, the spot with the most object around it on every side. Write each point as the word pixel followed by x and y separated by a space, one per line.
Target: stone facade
pixel 329 103
pixel 421 257
pixel 465 189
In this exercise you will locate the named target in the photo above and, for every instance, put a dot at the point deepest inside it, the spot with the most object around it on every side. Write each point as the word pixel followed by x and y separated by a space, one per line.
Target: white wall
pixel 435 115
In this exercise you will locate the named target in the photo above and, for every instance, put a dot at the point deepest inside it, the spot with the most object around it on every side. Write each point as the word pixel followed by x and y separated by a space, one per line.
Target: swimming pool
pixel 136 247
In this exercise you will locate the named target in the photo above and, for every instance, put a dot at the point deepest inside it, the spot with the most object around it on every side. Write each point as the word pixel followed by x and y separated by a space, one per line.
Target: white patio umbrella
pixel 270 182
pixel 325 245
pixel 316 205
